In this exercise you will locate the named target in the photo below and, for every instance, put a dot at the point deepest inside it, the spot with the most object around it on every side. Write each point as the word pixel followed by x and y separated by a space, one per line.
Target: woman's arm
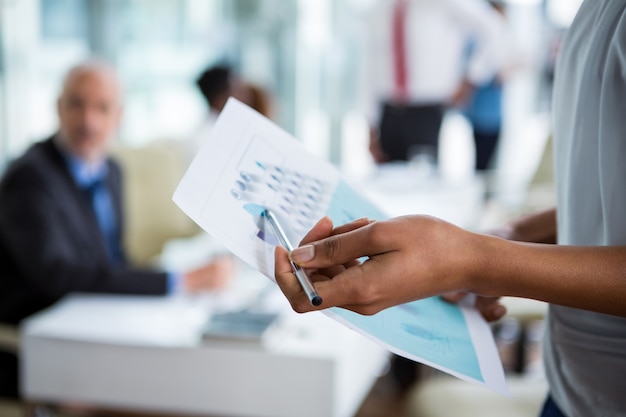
pixel 416 257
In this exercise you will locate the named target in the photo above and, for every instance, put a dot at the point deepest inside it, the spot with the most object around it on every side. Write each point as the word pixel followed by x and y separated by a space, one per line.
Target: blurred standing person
pixel 484 112
pixel 61 217
pixel 216 84
pixel 417 68
pixel 484 109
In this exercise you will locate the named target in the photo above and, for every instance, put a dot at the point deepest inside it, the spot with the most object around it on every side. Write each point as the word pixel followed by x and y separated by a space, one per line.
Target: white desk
pixel 399 190
pixel 146 354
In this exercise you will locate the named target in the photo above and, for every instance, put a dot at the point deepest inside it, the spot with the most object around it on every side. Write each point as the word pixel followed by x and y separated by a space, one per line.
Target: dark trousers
pixel 8 375
pixel 550 409
pixel 404 126
pixel 486 143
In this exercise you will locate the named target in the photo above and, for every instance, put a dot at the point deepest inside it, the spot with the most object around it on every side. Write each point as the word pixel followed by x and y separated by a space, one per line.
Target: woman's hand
pixel 490 307
pixel 408 258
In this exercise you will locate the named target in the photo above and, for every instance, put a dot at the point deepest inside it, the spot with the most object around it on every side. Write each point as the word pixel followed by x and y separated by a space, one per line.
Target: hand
pixel 490 307
pixel 212 276
pixel 463 94
pixel 375 147
pixel 323 229
pixel 410 258
pixel 539 227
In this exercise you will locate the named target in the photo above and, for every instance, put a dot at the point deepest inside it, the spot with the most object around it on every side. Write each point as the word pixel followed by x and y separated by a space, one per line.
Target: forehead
pixel 92 83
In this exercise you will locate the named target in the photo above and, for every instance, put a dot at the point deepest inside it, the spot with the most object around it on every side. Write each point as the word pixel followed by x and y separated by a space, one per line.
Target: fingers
pixel 346 290
pixel 282 266
pixel 288 283
pixel 454 297
pixel 344 248
pixel 283 272
pixel 324 229
pixel 353 225
pixel 490 307
pixel 321 230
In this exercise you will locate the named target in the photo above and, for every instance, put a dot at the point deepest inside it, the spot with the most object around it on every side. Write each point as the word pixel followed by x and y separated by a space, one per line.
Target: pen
pixel 301 275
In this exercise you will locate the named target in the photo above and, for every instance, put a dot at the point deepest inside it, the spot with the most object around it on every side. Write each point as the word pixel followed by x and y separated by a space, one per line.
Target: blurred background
pixel 308 54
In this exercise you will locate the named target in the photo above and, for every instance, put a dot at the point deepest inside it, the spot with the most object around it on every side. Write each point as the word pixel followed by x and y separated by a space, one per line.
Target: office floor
pixel 9 409
pixel 384 400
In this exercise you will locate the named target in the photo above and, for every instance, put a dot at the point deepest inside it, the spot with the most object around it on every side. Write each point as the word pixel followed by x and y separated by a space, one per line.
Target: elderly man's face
pixel 89 112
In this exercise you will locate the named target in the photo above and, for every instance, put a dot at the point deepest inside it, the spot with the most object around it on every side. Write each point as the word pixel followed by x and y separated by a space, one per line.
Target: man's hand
pixel 375 147
pixel 213 276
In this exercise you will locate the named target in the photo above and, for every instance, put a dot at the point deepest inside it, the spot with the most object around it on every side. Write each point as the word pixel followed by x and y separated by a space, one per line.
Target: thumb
pixel 341 248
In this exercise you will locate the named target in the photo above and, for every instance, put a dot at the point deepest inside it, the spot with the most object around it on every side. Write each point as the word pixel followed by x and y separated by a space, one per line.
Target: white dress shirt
pixel 437 33
pixel 196 141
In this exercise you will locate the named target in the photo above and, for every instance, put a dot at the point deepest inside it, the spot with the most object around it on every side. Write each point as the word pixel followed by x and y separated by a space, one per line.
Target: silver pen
pixel 301 275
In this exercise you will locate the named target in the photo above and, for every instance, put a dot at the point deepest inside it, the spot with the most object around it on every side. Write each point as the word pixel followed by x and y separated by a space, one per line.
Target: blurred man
pixel 216 84
pixel 483 108
pixel 61 218
pixel 418 68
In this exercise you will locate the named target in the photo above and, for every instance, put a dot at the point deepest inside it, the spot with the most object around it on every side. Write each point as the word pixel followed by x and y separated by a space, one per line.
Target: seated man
pixel 61 218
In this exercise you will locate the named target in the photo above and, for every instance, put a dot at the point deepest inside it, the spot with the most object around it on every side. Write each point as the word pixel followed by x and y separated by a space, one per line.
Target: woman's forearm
pixel 591 278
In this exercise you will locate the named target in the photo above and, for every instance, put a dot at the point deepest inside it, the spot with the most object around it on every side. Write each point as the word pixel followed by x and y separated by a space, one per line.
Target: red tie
pixel 399 51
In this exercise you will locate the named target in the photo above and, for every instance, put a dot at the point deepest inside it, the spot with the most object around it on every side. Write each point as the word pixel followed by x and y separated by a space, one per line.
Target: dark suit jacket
pixel 50 242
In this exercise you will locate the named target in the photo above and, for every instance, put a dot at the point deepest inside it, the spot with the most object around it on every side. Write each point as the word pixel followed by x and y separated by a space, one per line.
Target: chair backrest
pixel 151 173
pixel 9 338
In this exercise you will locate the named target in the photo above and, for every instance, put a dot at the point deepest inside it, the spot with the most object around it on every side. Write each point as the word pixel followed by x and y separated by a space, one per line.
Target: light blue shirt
pixel 92 179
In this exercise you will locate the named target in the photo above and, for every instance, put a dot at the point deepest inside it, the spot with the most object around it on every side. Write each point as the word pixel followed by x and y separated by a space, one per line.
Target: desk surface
pixel 147 354
pixel 398 190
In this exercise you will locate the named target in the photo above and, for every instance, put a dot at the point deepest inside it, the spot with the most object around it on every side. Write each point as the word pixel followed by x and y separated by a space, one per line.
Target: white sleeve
pixel 487 29
pixel 375 72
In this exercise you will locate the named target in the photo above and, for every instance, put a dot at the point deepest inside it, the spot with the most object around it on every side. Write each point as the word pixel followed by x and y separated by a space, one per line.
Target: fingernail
pixel 302 254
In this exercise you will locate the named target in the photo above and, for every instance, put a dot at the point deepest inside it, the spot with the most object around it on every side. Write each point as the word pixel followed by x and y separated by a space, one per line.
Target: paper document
pixel 248 163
